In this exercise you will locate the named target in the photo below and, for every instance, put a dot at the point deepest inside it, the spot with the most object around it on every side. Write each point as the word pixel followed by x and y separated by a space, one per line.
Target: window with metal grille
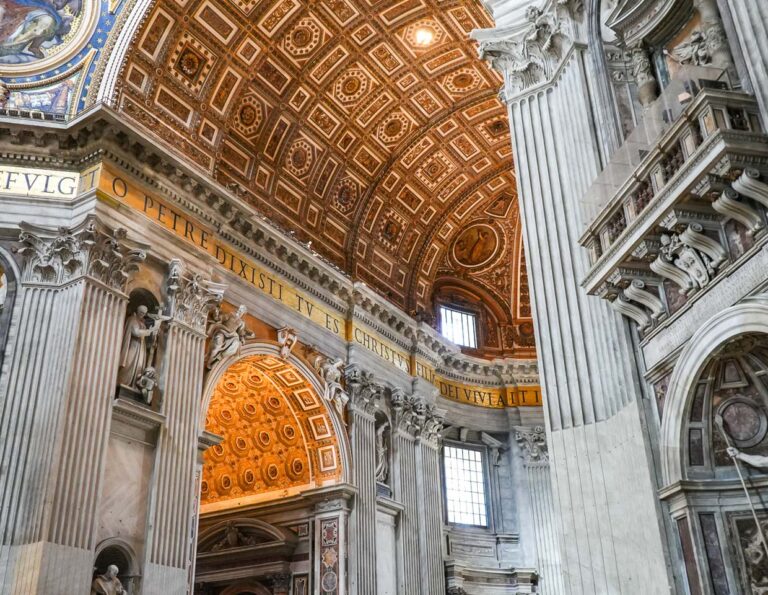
pixel 458 326
pixel 465 486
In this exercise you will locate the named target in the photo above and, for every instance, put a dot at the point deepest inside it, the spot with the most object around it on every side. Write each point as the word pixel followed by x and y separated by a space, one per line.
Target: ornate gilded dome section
pixel 278 436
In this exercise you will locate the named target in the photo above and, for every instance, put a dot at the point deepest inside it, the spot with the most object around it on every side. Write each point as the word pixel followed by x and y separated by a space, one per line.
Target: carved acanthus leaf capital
pixel 54 256
pixel 364 391
pixel 190 296
pixel 533 445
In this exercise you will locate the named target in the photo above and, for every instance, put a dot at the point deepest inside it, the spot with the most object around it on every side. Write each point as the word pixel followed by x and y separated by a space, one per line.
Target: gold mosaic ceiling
pixel 369 128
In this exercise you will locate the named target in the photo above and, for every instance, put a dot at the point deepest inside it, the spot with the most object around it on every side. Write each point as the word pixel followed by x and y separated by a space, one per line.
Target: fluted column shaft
pixel 750 21
pixel 587 367
pixel 362 518
pixel 55 412
pixel 406 491
pixel 173 496
pixel 430 516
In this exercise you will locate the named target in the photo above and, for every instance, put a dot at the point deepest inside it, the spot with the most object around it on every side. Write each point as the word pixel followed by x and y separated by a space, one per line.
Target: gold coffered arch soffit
pixel 372 131
pixel 280 437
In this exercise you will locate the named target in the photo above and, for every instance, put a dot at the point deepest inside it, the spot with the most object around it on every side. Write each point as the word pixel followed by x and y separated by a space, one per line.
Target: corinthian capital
pixel 190 296
pixel 54 256
pixel 533 445
pixel 364 392
pixel 530 54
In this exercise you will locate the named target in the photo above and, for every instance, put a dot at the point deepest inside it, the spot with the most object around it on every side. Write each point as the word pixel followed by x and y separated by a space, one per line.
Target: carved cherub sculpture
pixel 146 383
pixel 330 370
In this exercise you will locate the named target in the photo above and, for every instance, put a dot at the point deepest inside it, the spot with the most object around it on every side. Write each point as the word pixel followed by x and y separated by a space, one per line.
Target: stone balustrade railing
pixel 695 205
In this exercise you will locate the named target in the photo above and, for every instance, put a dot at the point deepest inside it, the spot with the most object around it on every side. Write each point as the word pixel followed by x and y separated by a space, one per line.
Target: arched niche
pixel 115 551
pixel 279 436
pixel 705 355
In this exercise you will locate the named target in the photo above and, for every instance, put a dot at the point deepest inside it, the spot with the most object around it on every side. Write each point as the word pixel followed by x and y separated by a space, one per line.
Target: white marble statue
pixel 757 461
pixel 134 353
pixel 330 370
pixel 382 462
pixel 108 583
pixel 227 334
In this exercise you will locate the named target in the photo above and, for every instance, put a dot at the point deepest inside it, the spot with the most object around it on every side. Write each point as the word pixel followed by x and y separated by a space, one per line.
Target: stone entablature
pixel 694 206
pixel 99 157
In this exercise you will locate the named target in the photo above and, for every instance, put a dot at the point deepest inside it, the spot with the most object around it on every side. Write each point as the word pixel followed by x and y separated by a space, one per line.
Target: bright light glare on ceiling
pixel 424 36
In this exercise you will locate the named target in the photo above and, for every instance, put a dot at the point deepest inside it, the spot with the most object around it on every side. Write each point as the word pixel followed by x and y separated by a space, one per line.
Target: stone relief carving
pixel 227 334
pixel 56 256
pixel 287 339
pixel 232 537
pixel 694 51
pixel 331 373
pixel 698 266
pixel 533 445
pixel 108 583
pixel 642 72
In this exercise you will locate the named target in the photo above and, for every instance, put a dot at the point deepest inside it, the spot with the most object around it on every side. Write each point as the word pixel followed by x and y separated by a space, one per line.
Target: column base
pixel 45 569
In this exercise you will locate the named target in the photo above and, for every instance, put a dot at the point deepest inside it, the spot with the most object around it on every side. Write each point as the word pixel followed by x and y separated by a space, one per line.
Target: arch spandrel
pixel 279 437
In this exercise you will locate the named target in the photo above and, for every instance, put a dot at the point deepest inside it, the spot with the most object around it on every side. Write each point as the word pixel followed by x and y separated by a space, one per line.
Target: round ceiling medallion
pixel 37 36
pixel 744 421
pixel 476 246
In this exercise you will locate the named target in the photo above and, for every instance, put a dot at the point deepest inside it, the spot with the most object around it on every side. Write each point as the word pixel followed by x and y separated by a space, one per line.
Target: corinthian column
pixel 364 396
pixel 57 402
pixel 604 492
pixel 173 502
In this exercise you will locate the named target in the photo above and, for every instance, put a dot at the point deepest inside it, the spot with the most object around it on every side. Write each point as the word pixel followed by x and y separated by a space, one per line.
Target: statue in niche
pixel 232 538
pixel 108 583
pixel 382 453
pixel 138 348
pixel 227 334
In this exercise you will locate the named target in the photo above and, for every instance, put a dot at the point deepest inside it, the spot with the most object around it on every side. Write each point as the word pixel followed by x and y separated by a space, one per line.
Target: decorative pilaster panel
pixel 364 395
pixel 533 450
pixel 430 500
pixel 405 490
pixel 58 402
pixel 330 547
pixel 586 362
pixel 173 500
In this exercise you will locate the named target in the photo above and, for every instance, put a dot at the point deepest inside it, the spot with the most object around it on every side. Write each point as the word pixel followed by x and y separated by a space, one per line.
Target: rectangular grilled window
pixel 458 326
pixel 465 486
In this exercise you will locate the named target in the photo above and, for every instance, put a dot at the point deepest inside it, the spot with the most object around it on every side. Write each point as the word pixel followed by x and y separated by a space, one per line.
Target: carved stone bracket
pixel 365 392
pixel 58 256
pixel 190 297
pixel 533 445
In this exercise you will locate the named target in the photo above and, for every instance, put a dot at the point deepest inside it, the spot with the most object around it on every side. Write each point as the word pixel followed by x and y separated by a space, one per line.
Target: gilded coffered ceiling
pixel 370 129
pixel 278 436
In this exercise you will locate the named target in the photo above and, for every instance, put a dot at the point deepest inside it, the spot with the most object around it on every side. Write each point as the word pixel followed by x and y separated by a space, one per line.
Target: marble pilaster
pixel 58 401
pixel 586 361
pixel 173 502
pixel 364 395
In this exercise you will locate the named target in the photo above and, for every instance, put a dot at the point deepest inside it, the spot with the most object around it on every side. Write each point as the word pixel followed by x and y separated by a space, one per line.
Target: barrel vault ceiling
pixel 370 129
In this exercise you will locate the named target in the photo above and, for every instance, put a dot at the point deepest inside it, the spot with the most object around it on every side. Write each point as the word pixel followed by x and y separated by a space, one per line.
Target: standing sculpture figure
pixel 108 583
pixel 330 370
pixel 133 356
pixel 382 464
pixel 227 334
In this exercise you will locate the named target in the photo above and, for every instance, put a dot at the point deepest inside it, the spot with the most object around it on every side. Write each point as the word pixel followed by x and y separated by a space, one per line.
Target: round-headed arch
pixel 279 438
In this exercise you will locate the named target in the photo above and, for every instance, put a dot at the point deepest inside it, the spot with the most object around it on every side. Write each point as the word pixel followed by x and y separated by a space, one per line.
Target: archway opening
pixel 278 456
